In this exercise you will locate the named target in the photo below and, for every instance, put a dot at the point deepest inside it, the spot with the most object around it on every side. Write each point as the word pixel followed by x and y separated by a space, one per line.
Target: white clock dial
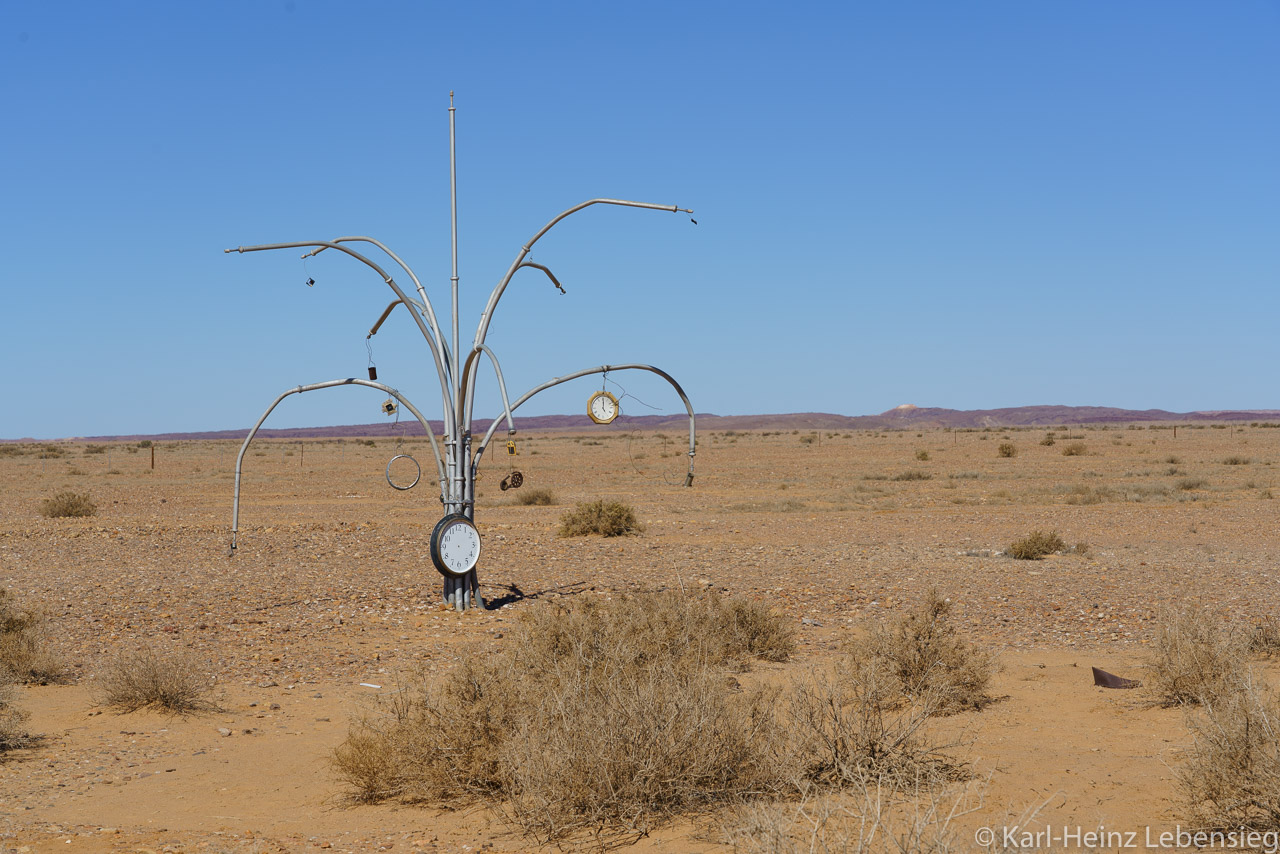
pixel 455 545
pixel 602 407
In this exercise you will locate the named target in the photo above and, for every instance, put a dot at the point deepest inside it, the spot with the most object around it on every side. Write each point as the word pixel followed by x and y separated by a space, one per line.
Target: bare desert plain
pixel 332 599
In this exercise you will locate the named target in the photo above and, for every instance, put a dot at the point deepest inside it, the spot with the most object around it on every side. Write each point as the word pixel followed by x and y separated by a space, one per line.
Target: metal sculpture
pixel 455 542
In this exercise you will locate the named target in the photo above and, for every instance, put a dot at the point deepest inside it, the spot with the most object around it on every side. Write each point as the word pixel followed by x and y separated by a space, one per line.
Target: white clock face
pixel 603 408
pixel 459 547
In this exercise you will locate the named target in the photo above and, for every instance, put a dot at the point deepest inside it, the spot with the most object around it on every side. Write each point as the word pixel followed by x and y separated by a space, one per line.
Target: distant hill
pixel 905 417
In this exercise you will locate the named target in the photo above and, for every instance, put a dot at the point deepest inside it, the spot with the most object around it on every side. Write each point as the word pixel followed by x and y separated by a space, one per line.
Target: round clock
pixel 455 545
pixel 602 407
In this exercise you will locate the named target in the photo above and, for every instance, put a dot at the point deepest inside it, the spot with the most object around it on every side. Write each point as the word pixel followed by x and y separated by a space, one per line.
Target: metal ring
pixel 416 478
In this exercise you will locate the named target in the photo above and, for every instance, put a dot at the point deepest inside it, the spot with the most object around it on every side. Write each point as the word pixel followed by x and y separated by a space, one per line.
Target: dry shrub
pixel 24 640
pixel 601 717
pixel 1036 545
pixel 753 628
pixel 1075 449
pixel 1007 449
pixel 1264 636
pixel 1195 657
pixel 68 503
pixel 536 498
pixel 855 723
pixel 1231 776
pixel 173 683
pixel 12 735
pixel 929 658
pixel 607 518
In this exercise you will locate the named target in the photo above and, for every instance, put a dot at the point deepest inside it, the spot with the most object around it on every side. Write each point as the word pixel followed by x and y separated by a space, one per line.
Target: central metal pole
pixel 453 222
pixel 461 593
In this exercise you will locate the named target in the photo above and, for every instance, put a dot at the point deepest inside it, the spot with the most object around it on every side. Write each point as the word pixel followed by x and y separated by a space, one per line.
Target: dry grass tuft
pixel 606 717
pixel 1007 449
pixel 12 735
pixel 928 657
pixel 869 819
pixel 606 518
pixel 1195 657
pixel 1231 776
pixel 536 498
pixel 24 642
pixel 175 684
pixel 1036 545
pixel 1075 449
pixel 66 504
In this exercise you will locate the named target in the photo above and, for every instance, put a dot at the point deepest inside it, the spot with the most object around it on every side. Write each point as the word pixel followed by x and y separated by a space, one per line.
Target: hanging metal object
pixel 417 475
pixel 511 448
pixel 389 407
pixel 373 373
pixel 517 479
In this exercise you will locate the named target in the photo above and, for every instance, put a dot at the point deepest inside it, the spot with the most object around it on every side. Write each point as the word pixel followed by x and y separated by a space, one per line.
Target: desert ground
pixel 331 599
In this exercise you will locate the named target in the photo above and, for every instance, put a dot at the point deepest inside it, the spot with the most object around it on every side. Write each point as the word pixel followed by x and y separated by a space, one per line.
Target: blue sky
pixel 967 205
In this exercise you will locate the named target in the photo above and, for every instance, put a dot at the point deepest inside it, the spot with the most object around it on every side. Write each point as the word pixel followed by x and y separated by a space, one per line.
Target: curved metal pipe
pixel 547 270
pixel 469 378
pixel 688 481
pixel 425 306
pixel 426 425
pixel 450 412
pixel 502 383
pixel 386 312
pixel 483 328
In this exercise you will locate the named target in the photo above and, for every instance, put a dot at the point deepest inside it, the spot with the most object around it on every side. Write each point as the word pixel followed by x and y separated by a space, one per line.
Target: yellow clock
pixel 602 407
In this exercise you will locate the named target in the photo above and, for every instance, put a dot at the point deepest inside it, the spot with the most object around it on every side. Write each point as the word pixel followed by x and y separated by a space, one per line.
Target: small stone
pixel 223 731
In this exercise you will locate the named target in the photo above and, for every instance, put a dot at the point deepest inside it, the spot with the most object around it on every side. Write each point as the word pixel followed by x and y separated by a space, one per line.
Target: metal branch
pixel 483 329
pixel 467 401
pixel 469 378
pixel 550 275
pixel 386 312
pixel 450 412
pixel 688 481
pixel 502 383
pixel 426 425
pixel 424 306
